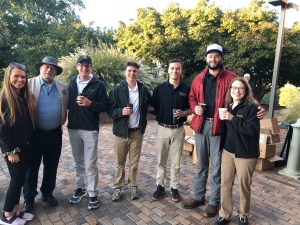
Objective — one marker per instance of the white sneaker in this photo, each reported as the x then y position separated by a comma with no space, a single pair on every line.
12,220
24,215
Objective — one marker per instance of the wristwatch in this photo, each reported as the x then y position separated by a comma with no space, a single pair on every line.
16,150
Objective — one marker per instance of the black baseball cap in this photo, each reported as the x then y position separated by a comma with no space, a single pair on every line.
84,58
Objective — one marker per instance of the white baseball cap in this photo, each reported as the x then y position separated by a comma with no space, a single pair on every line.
214,48
246,75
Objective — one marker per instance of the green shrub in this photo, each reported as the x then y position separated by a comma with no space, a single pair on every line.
292,112
287,94
266,99
108,66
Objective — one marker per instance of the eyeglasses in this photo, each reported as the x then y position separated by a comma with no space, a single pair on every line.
18,64
234,88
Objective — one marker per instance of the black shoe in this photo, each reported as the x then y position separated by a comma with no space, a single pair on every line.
52,201
221,221
158,193
243,221
28,205
175,195
79,194
93,203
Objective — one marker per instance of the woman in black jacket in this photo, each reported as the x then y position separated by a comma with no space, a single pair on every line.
240,148
17,124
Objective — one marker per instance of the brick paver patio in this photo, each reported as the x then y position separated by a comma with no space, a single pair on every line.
275,198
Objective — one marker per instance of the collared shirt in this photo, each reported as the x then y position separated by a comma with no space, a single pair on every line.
134,118
165,98
210,85
49,111
82,84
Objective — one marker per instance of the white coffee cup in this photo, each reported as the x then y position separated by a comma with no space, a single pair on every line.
221,112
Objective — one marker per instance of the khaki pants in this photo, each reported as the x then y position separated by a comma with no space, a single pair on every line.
169,140
244,169
133,146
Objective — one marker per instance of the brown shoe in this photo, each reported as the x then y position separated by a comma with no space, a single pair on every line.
192,203
211,210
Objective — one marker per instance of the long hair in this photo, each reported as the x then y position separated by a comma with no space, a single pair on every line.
248,92
9,105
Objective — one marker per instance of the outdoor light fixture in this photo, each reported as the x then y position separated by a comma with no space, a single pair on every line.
284,5
278,2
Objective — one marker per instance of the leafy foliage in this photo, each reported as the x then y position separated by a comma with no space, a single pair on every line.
292,112
30,30
159,37
248,36
266,99
251,46
288,94
108,66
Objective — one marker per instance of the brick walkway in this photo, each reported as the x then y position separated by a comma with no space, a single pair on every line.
275,199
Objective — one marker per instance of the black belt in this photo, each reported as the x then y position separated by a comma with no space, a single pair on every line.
209,119
170,126
48,131
133,129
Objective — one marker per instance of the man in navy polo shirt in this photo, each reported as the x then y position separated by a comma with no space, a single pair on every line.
171,106
51,97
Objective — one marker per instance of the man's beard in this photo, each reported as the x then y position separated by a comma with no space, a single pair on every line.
216,67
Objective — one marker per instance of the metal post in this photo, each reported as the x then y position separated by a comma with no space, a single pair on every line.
277,61
293,164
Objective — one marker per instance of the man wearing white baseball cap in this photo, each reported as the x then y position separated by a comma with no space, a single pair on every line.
252,85
209,87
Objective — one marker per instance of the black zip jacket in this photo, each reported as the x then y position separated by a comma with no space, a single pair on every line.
244,131
19,134
118,99
82,117
253,87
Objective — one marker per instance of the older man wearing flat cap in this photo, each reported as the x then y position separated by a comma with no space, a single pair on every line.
51,97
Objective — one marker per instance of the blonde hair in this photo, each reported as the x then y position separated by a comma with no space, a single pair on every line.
9,104
248,92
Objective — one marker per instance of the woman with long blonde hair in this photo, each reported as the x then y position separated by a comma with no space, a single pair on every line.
17,124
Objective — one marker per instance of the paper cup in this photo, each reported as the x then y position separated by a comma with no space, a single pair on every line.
221,111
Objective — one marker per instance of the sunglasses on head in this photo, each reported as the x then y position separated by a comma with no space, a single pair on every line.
18,64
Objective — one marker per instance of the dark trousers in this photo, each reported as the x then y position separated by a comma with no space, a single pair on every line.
17,173
47,145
